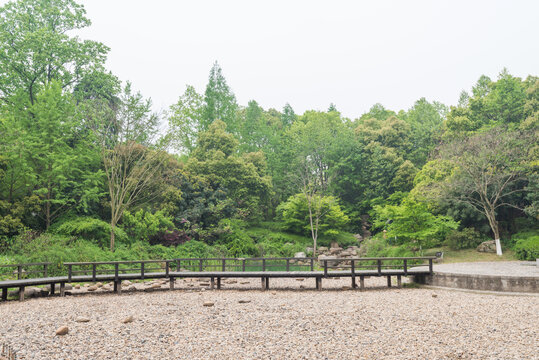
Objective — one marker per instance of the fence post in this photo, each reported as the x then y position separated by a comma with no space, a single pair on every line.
177,265
353,274
263,264
116,266
430,266
405,267
45,270
200,265
243,265
142,270
325,268
379,267
19,272
287,264
224,265
94,271
312,264
69,272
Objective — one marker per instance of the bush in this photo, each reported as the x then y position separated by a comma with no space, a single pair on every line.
236,240
88,228
145,226
526,246
467,238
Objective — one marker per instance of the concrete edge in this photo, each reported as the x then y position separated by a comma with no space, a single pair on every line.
484,292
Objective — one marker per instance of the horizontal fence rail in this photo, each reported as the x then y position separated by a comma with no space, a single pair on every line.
24,271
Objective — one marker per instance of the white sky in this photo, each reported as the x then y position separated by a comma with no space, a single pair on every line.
311,53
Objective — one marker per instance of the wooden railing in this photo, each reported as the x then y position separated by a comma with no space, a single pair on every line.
24,271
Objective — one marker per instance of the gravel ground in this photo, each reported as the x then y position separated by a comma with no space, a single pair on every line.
499,268
286,322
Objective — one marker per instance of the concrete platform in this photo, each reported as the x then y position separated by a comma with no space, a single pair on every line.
506,276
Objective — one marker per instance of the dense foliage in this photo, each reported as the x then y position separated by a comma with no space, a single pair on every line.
84,166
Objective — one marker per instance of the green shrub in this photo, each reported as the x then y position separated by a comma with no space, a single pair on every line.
467,238
89,228
236,240
527,245
143,225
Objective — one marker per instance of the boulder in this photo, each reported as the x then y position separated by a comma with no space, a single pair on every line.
335,250
322,249
487,246
299,255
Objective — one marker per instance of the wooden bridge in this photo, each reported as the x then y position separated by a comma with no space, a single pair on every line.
215,269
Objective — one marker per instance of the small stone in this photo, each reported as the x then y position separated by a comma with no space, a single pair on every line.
99,284
244,301
62,330
204,284
86,285
82,319
274,293
126,282
208,304
128,319
92,288
77,286
434,295
300,279
245,282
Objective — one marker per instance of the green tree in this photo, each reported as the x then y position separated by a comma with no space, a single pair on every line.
57,152
35,46
243,177
425,120
490,172
412,222
185,120
219,101
288,116
295,214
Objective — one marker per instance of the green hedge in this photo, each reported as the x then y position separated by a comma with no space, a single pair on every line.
526,245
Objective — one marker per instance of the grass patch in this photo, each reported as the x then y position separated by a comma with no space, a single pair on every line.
470,255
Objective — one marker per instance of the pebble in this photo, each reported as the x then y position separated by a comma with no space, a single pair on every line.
128,319
208,304
82,319
62,330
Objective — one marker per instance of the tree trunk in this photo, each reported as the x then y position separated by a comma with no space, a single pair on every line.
112,226
491,216
314,236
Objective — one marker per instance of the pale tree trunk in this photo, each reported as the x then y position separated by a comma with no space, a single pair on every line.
314,233
112,226
491,216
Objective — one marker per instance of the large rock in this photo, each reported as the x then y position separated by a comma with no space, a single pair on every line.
299,255
487,246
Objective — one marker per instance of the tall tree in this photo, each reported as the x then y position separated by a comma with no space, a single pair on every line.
132,163
35,47
185,120
489,173
219,101
288,116
57,151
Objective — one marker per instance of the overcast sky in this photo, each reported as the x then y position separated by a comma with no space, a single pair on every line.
312,53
